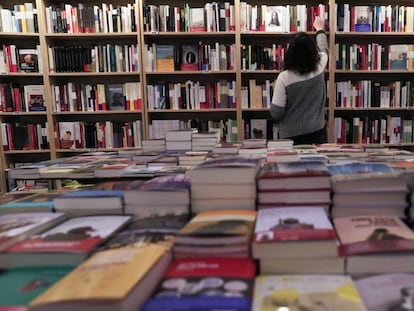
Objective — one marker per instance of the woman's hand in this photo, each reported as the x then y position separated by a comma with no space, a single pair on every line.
318,23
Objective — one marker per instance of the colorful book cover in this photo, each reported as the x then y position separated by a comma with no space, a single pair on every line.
205,284
373,234
78,234
306,292
295,168
21,285
35,201
117,277
172,182
292,224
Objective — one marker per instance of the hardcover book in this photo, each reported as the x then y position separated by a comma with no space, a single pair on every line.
67,243
306,292
116,279
21,285
373,234
293,232
205,284
387,292
114,95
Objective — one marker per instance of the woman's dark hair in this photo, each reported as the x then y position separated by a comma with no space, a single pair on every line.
302,55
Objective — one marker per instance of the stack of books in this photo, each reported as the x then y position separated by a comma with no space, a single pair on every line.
219,233
204,141
375,244
295,240
294,183
224,183
192,158
153,145
158,195
257,146
178,140
365,188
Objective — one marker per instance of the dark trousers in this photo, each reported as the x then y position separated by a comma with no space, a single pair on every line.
318,137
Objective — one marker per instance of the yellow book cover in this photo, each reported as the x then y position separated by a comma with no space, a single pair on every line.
113,278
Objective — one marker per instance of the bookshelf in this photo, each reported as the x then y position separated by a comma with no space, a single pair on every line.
231,76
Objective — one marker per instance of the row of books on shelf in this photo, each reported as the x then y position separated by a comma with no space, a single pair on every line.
280,18
189,57
373,56
191,95
261,57
383,130
19,18
95,58
20,59
371,94
24,136
71,97
15,97
212,17
374,18
86,18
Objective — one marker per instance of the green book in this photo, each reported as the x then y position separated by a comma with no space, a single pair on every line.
20,286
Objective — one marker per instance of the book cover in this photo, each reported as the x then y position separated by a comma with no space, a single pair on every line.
363,18
34,97
373,234
205,284
387,292
114,95
218,227
398,56
258,128
164,57
28,60
292,224
274,18
196,20
78,234
21,285
190,57
116,277
39,201
306,292
17,226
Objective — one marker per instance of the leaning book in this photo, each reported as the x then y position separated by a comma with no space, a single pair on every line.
111,280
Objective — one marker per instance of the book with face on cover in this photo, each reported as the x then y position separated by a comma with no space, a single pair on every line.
306,292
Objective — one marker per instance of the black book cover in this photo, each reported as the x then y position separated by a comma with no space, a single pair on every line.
114,94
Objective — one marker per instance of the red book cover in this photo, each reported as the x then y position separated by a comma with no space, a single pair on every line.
292,224
78,234
17,102
373,234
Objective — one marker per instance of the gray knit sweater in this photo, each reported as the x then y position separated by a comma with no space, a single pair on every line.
298,102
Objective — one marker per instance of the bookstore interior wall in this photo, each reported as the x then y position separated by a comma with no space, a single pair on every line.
78,76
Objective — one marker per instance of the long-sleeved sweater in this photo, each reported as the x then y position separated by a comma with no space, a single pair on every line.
298,102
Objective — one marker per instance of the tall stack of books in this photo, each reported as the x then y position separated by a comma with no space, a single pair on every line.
295,240
365,188
294,183
224,183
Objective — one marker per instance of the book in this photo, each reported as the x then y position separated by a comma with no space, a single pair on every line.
18,226
190,57
28,60
21,285
196,21
296,175
114,95
115,279
38,202
164,57
306,292
218,227
274,18
90,202
34,95
373,234
398,57
67,243
386,292
363,18
293,232
232,169
205,284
